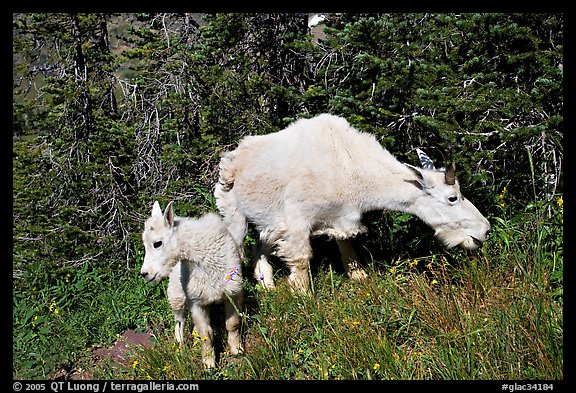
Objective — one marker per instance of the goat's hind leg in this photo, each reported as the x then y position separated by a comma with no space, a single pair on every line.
263,272
232,309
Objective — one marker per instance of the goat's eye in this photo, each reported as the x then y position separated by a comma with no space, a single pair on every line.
452,199
157,244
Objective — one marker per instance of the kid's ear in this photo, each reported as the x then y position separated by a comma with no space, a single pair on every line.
169,215
156,211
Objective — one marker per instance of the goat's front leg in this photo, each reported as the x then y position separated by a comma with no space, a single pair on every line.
299,278
350,260
177,300
295,249
201,317
180,318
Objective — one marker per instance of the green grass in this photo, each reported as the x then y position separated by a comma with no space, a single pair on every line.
60,315
496,313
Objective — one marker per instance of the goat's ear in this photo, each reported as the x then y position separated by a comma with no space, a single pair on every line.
422,180
416,171
425,160
169,215
156,211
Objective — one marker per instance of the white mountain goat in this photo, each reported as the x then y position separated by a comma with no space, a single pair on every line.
318,176
203,264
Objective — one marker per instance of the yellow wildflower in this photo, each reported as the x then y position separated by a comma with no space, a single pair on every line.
135,363
433,282
53,308
502,196
376,366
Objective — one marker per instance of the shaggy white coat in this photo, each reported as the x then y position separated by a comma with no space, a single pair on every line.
318,176
203,264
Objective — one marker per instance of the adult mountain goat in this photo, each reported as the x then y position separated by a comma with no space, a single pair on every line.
318,176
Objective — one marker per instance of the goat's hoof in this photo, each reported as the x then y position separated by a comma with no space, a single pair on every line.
358,275
209,362
239,350
300,290
267,286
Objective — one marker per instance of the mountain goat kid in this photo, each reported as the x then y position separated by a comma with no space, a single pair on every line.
203,264
318,176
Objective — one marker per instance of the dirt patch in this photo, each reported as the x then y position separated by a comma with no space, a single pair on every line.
119,353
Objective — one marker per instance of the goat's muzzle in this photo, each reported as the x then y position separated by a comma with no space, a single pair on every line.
146,276
477,242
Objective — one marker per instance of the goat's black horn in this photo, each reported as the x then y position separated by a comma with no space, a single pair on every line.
445,157
450,174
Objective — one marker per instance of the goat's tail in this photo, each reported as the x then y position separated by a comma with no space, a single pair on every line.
226,201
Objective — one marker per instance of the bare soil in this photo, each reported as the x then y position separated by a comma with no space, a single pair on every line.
118,354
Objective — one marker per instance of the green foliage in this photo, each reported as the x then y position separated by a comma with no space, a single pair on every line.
60,315
114,111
